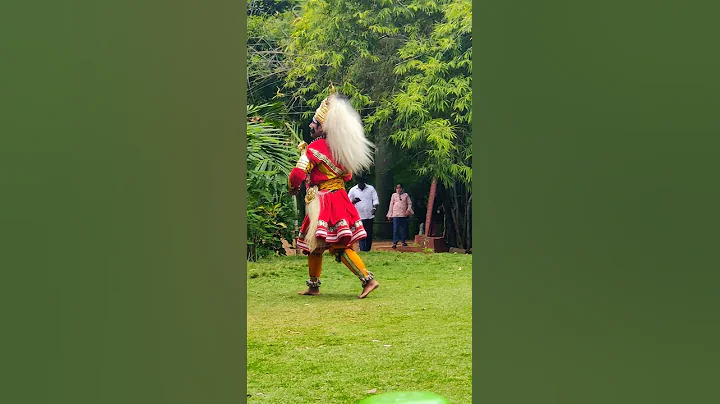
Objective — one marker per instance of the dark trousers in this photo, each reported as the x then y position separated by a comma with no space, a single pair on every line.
400,229
366,243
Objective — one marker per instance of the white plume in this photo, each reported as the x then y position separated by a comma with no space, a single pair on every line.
345,136
312,210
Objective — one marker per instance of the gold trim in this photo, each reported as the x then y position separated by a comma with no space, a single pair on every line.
327,161
327,171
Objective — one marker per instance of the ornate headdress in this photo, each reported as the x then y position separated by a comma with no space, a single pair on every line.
321,112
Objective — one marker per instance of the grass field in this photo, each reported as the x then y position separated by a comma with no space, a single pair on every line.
411,334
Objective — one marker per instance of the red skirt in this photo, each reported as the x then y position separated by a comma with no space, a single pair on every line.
338,222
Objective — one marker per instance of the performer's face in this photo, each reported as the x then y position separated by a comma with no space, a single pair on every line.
315,129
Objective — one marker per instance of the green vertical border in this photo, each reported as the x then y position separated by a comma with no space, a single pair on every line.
243,204
122,215
596,202
477,214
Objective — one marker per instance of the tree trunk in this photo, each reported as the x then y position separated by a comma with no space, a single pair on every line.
448,232
456,218
431,204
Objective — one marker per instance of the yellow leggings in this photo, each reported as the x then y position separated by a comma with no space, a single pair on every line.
347,256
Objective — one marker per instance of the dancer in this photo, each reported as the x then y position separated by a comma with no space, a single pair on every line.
332,222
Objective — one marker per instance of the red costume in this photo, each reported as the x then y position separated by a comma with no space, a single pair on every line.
339,221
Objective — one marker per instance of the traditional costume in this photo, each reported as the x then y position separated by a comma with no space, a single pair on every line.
332,221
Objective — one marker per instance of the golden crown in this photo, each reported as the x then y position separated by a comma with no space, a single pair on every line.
321,112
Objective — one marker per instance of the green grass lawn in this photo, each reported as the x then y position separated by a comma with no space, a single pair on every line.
411,334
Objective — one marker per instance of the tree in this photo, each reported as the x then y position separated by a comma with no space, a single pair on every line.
268,7
432,111
406,65
269,25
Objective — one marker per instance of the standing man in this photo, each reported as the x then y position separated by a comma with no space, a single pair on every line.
400,210
365,199
331,222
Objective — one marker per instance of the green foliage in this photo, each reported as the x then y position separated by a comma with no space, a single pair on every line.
407,67
268,7
428,104
269,25
271,154
351,44
432,111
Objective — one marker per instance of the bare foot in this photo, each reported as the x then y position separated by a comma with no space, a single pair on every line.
310,291
369,287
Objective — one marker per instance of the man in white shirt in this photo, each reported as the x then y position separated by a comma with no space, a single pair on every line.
366,201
